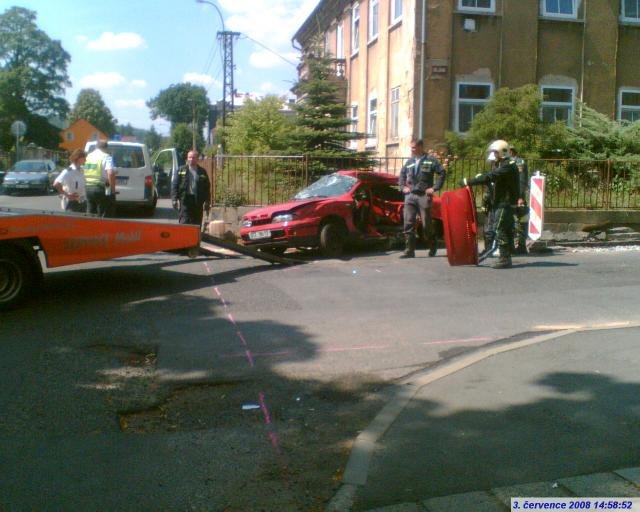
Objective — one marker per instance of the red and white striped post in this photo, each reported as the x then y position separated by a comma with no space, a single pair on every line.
536,206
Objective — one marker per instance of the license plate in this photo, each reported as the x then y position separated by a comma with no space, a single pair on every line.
258,235
122,180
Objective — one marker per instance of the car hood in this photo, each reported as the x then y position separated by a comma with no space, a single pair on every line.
26,176
268,211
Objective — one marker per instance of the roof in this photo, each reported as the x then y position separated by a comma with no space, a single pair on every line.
320,19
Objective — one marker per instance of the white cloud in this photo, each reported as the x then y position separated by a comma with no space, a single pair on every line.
271,22
264,59
121,41
102,80
201,79
139,83
130,103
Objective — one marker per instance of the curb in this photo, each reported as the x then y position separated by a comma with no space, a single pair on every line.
357,468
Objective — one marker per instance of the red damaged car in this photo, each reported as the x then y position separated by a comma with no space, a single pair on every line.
346,207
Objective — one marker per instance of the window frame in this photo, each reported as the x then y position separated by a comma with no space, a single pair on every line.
623,14
372,119
621,107
394,112
466,8
373,21
459,102
353,127
355,28
545,14
340,40
394,16
555,104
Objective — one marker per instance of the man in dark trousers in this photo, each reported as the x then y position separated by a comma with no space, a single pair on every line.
420,177
505,194
521,210
190,190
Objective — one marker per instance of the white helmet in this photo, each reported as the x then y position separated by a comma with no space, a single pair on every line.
498,150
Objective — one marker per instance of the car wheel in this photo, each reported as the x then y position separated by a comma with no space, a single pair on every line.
332,240
17,276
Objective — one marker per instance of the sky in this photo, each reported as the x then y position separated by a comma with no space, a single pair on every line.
130,50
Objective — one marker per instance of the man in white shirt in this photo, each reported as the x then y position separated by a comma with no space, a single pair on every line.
71,185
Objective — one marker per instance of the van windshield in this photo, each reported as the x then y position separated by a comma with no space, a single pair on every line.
127,157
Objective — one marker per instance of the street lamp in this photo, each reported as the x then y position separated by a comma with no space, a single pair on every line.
217,10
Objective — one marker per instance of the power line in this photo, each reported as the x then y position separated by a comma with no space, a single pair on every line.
270,50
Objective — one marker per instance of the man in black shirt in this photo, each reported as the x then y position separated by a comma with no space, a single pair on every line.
506,190
190,190
420,177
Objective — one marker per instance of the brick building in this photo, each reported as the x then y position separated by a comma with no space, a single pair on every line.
420,67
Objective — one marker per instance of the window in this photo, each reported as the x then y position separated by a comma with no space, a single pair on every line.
559,8
394,117
630,10
477,5
373,19
354,123
372,117
327,44
470,99
557,104
396,11
340,41
69,136
629,105
355,28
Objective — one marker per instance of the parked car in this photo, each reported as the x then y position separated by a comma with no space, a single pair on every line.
135,185
29,176
342,208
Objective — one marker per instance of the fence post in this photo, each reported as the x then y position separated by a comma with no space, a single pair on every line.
305,169
607,190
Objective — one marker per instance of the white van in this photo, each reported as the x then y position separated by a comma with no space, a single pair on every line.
135,185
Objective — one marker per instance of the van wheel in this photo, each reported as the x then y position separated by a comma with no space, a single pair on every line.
18,275
332,240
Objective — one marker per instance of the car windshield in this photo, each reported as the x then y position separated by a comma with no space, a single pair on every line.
332,185
29,166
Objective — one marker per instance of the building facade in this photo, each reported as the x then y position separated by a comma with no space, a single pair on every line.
78,134
422,67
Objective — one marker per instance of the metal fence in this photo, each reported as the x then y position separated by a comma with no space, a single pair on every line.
7,159
573,184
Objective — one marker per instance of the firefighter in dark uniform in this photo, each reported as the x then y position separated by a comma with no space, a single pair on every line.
505,194
521,210
190,190
420,177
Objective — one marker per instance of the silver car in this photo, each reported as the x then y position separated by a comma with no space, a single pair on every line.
30,176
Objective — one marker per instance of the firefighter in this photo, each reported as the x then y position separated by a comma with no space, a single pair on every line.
420,177
521,210
504,175
190,190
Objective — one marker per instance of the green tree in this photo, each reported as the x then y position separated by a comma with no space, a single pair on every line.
182,139
39,63
153,139
90,106
258,128
321,122
181,103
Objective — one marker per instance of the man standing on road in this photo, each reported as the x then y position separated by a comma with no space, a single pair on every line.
190,190
70,183
521,211
420,177
100,177
505,194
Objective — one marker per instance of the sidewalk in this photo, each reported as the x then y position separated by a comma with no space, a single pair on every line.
553,415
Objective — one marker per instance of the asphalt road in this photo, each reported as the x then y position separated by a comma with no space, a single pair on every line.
156,382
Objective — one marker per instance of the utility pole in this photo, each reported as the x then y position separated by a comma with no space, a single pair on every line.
227,86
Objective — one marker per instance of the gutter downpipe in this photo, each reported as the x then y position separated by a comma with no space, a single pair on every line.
423,43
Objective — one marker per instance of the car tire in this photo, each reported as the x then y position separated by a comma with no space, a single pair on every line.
18,276
332,240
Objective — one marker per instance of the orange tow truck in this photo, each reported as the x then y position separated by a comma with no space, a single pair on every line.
69,239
